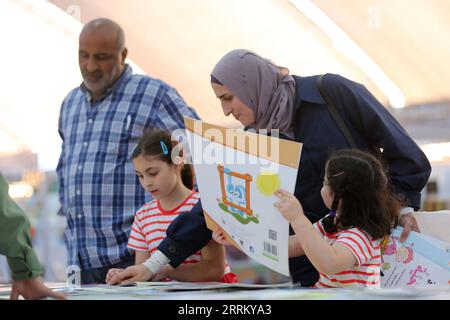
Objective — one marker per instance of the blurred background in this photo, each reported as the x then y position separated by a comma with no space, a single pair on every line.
397,49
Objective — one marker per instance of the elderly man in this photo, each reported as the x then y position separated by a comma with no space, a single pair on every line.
100,123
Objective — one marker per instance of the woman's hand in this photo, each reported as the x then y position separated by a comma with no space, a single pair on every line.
409,223
288,205
111,273
219,237
137,273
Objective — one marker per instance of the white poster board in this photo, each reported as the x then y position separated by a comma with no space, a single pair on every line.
237,177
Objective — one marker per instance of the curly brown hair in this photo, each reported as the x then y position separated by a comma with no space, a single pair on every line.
368,201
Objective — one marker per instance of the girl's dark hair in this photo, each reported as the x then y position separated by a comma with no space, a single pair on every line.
368,202
159,143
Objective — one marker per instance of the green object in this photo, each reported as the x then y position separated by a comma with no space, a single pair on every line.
270,256
15,239
242,220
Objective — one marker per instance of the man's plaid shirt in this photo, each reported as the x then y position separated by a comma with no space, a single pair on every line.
99,191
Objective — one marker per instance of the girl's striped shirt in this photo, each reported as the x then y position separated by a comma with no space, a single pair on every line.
366,271
150,225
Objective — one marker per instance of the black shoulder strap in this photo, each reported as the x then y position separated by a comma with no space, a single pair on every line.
334,114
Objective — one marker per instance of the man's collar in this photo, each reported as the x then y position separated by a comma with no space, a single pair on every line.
127,71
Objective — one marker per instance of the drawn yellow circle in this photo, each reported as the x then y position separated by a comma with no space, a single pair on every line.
268,183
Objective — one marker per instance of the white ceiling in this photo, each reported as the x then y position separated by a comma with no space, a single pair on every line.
390,46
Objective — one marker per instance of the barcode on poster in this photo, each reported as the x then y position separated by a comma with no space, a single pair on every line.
270,248
272,235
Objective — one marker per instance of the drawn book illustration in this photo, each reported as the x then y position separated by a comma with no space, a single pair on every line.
237,173
419,261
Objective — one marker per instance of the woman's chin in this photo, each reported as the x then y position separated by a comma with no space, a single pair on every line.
247,123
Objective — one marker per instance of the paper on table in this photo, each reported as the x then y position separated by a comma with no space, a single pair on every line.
222,285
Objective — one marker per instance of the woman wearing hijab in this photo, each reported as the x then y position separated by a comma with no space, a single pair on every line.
262,95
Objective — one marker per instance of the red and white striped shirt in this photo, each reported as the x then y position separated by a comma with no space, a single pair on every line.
366,271
151,223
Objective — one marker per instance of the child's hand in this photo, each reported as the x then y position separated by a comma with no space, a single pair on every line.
219,237
288,205
137,273
111,273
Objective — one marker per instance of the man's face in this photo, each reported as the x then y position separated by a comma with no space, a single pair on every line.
101,61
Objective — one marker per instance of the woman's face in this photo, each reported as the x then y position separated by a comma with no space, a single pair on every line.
231,104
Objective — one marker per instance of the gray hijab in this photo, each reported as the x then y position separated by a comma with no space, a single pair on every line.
261,86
